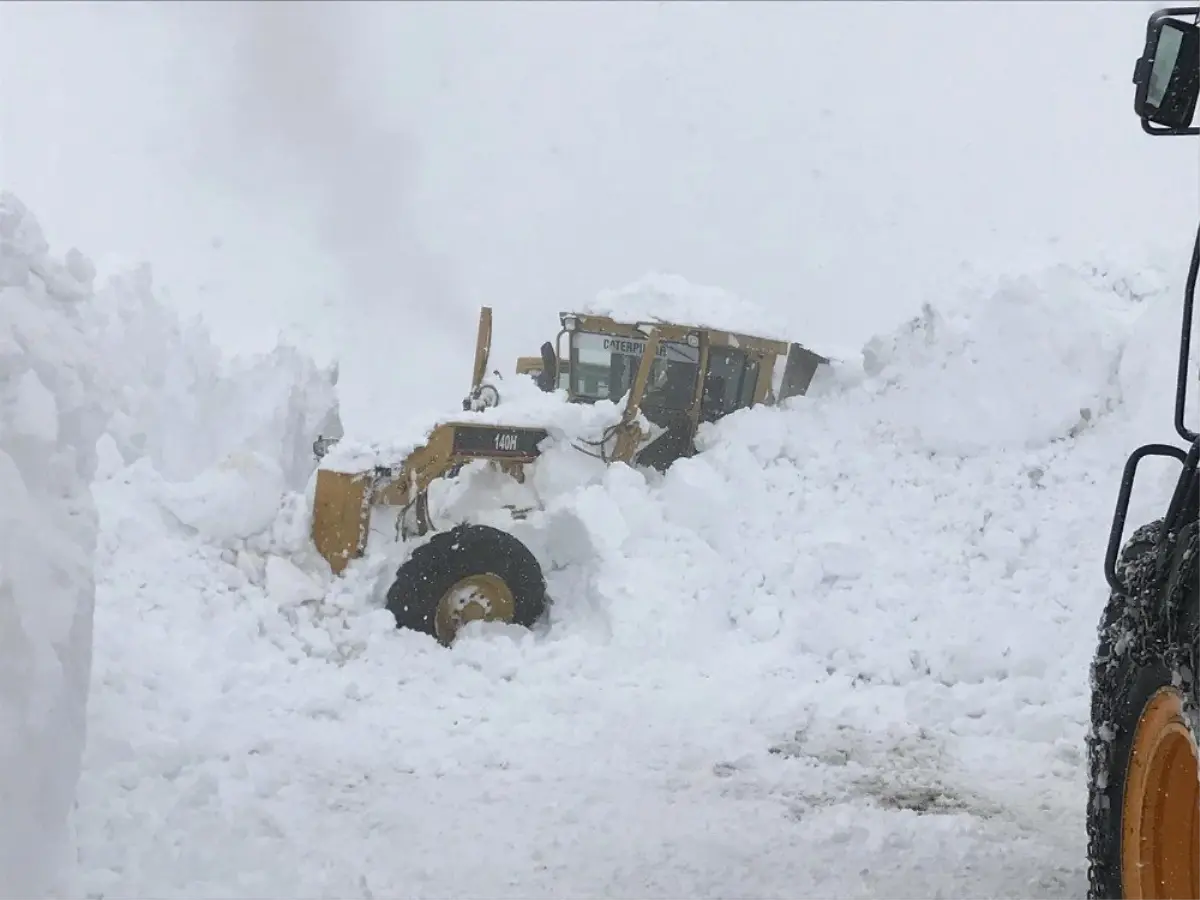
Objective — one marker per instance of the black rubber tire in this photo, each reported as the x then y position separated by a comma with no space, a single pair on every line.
452,555
1148,639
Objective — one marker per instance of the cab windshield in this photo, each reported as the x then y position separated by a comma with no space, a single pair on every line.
603,368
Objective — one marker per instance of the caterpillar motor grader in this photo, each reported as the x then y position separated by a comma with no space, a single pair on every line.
665,379
1143,814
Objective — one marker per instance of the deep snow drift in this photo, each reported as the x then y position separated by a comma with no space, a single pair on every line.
843,652
95,380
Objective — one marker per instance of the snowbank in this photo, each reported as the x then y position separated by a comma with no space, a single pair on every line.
222,443
93,382
1032,361
178,401
51,413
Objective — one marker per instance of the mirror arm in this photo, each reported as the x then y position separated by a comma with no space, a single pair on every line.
1163,131
1185,343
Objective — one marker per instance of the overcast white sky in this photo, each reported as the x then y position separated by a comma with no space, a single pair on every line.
401,163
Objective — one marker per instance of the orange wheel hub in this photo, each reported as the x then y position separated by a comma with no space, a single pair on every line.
1160,843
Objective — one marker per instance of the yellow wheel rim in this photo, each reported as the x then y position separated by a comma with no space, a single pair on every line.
477,597
1160,841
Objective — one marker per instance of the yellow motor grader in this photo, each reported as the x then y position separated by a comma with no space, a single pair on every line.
1143,813
665,378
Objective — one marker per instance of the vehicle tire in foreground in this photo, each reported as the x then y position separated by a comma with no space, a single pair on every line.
1143,816
468,573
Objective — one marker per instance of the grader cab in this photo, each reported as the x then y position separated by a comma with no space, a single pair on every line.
691,375
666,380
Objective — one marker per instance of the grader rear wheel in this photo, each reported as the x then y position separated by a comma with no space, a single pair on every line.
1160,843
469,573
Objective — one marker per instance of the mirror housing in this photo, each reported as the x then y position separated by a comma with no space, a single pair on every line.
547,379
1167,76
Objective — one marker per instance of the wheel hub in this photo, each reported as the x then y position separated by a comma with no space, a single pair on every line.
1160,846
483,597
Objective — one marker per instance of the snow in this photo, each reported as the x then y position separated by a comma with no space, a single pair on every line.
984,362
236,499
841,652
669,297
522,404
50,413
184,406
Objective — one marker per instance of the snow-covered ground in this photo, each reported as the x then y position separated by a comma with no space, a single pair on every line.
842,652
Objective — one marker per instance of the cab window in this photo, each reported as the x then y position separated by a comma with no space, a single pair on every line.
603,368
729,382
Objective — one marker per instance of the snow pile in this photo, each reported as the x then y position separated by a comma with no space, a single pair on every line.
222,443
672,298
179,402
979,374
51,414
522,404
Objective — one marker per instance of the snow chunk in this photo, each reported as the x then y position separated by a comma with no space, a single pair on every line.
236,499
288,585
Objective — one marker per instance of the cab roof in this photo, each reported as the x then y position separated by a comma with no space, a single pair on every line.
671,331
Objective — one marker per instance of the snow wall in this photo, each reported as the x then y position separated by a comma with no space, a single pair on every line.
91,381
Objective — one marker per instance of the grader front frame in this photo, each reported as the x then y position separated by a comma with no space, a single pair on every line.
343,501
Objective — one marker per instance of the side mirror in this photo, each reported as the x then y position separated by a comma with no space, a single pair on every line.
1168,74
548,377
